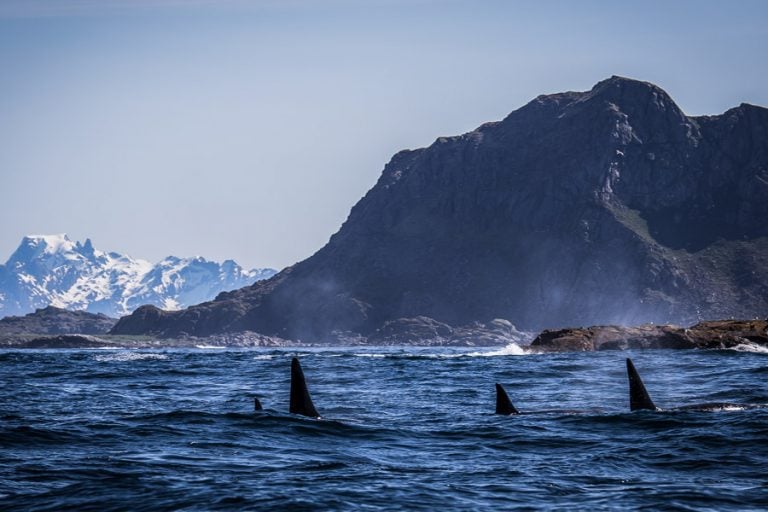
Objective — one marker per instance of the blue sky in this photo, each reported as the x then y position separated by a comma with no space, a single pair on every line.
248,129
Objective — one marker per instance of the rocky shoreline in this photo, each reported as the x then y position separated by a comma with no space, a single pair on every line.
719,334
106,341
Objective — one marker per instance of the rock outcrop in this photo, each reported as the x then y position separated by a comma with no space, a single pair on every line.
53,320
723,334
609,206
71,341
428,331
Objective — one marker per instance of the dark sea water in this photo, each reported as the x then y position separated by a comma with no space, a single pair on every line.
403,428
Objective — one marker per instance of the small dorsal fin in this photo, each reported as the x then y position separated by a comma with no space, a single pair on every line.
503,403
257,405
639,399
301,402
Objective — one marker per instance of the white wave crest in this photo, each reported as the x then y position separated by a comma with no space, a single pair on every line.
749,346
512,349
730,408
129,356
264,357
210,347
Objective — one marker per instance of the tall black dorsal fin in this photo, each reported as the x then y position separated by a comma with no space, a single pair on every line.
503,403
257,405
639,399
301,402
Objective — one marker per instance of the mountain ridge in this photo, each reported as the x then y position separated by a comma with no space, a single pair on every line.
608,206
53,270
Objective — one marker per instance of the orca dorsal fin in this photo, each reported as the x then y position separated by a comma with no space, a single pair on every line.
503,403
639,399
301,402
257,404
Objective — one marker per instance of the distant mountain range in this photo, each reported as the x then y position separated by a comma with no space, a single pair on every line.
53,270
607,206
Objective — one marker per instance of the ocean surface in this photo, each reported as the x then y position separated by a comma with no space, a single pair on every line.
403,428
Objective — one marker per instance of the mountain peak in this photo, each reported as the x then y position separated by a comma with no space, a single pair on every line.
87,249
618,80
52,243
52,238
627,86
37,246
628,91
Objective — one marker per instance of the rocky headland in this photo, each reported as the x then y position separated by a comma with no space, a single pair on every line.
608,206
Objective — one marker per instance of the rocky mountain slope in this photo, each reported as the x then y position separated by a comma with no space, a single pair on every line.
609,206
54,270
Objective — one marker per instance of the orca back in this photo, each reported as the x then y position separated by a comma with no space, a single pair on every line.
301,402
639,399
503,403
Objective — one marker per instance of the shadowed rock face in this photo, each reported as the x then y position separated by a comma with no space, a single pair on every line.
597,207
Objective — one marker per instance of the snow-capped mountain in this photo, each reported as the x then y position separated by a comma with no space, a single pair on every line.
54,270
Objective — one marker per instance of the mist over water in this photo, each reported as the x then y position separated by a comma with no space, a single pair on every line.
403,428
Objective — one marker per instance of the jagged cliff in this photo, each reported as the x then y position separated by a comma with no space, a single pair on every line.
605,206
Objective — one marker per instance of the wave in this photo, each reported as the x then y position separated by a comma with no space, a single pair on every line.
175,421
511,349
749,346
129,356
210,347
27,435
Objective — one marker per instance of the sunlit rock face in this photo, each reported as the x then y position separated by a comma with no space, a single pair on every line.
609,206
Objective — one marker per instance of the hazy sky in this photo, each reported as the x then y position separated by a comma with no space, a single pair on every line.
247,130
